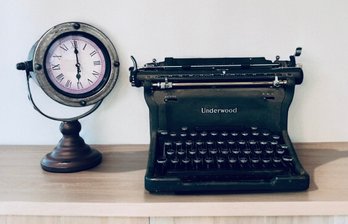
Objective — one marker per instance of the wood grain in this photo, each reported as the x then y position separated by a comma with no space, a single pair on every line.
115,188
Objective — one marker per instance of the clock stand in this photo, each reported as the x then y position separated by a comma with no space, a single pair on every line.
76,65
71,154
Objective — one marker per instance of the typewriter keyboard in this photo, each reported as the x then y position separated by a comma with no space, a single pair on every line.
223,154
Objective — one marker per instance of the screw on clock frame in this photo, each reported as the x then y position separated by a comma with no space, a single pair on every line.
83,103
116,63
38,67
76,26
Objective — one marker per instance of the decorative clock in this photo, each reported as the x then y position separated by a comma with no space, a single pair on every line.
76,65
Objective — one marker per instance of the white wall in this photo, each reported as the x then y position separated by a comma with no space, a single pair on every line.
190,28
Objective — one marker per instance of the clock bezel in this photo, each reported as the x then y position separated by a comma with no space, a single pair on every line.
100,39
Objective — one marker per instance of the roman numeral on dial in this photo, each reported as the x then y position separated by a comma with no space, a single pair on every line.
68,84
79,85
60,77
64,47
56,67
74,43
92,53
95,73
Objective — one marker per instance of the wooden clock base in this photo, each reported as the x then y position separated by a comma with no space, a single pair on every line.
71,154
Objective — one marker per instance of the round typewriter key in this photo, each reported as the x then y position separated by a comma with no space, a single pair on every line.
202,151
220,143
252,143
265,133
231,143
180,152
257,151
174,161
285,147
163,132
269,150
266,160
192,151
255,160
276,137
204,133
178,145
162,160
263,144
255,133
220,161
254,128
213,151
193,134
170,152
167,145
199,144
234,134
274,144
186,160
208,160
222,146
184,128
224,151
280,151
210,143
213,134
235,151
172,134
287,158
183,134
224,134
243,160
188,144
245,134
232,160
246,151
277,160
197,162
241,143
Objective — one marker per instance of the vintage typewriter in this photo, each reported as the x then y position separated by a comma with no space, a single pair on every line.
220,124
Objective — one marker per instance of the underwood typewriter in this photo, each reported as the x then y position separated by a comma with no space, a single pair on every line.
220,124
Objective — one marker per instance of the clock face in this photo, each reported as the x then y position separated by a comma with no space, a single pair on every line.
76,65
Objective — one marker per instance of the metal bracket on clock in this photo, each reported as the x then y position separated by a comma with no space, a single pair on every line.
26,66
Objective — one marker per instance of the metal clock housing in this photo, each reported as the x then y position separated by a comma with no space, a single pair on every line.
43,74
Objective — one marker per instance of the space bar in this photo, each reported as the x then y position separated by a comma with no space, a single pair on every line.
227,173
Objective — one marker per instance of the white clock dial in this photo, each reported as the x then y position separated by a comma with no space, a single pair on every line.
75,65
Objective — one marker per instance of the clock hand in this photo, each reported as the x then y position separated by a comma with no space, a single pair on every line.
78,75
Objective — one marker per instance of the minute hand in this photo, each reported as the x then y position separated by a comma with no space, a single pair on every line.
78,75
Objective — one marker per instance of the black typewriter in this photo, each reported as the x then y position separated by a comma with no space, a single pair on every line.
220,124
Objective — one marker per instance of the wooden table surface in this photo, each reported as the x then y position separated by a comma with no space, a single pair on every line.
116,187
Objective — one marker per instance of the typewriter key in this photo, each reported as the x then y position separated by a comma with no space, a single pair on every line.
224,134
254,128
220,161
255,160
266,160
232,161
174,162
280,151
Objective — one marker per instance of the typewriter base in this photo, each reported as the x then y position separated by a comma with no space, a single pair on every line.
155,185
